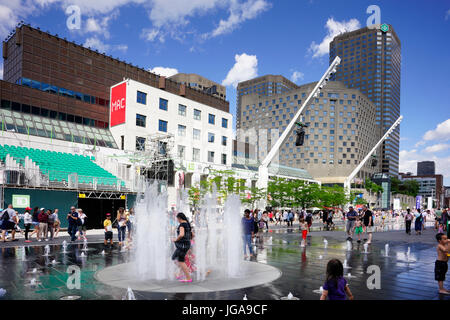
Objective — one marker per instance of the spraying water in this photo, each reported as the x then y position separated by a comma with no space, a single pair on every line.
366,246
64,245
349,245
325,243
217,245
386,249
47,250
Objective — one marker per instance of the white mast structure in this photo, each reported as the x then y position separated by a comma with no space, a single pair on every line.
263,170
347,182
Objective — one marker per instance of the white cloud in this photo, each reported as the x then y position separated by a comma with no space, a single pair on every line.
100,25
96,44
239,13
245,68
447,14
437,147
334,28
297,75
166,72
152,34
442,132
1,70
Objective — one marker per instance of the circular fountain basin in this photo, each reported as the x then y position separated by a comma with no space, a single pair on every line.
124,276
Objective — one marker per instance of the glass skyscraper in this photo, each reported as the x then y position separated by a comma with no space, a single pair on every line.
371,62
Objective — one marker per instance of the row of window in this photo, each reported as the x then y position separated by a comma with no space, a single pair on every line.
43,112
62,91
163,105
181,152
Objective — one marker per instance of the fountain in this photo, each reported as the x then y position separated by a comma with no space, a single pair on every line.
64,245
47,250
366,247
386,250
23,254
325,243
319,291
345,265
102,253
129,295
269,241
320,257
245,297
290,296
349,245
216,252
85,245
54,262
82,255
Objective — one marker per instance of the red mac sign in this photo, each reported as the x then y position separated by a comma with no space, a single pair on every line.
118,104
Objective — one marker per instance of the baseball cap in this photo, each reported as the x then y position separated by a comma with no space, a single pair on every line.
108,214
28,209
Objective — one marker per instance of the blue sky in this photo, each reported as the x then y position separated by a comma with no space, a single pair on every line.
234,40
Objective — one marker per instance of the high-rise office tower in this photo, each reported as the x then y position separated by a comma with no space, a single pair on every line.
371,62
426,168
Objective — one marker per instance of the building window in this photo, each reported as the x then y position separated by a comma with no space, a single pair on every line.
140,120
162,126
182,110
140,144
224,140
195,154
211,156
163,104
141,97
211,118
181,130
210,137
224,158
196,134
224,123
181,152
197,114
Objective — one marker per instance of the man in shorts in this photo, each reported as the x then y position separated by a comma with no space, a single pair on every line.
368,222
107,224
351,218
9,220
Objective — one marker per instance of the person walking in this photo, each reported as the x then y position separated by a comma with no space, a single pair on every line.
8,222
27,221
368,223
122,224
72,219
182,243
51,224
57,223
418,222
351,218
43,224
248,229
131,219
408,221
35,222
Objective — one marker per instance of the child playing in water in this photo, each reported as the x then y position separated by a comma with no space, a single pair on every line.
304,229
441,264
335,287
358,228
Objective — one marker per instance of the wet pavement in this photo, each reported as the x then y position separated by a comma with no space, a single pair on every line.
303,269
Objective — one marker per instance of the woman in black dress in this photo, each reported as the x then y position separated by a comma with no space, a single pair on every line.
182,244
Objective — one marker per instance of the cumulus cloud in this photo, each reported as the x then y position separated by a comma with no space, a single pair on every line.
96,44
437,147
297,75
334,28
245,68
100,25
442,132
239,12
166,72
152,34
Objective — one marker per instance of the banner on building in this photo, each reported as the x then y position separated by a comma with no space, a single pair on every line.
20,200
419,202
118,104
429,203
397,205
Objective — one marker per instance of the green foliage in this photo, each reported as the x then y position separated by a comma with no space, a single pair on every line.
408,187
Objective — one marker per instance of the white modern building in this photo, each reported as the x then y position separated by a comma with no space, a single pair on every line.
201,136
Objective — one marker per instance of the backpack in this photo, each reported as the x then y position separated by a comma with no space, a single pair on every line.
5,216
